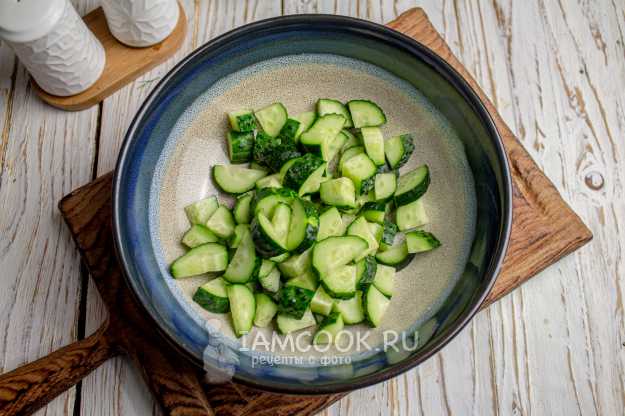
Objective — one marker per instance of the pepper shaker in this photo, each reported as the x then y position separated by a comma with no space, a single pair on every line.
53,43
141,23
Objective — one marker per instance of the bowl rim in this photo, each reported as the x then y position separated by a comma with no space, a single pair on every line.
429,57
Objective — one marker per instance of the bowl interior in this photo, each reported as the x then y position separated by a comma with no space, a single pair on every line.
178,135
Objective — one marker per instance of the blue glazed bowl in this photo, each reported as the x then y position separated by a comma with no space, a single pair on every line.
146,145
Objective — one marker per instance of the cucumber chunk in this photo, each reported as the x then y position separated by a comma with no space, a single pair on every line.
212,296
377,231
411,216
221,222
338,192
365,272
242,212
359,168
384,186
330,147
330,224
374,211
397,256
341,282
289,129
240,230
384,279
207,258
242,120
301,169
236,179
297,264
351,309
287,324
366,113
303,227
328,106
199,212
324,128
266,267
305,121
360,228
271,281
312,184
271,181
329,329
267,199
274,151
266,309
375,305
294,300
281,221
244,263
268,243
307,280
334,252
272,118
242,308
352,141
348,154
398,150
198,235
279,258
240,145
388,236
412,185
419,241
374,144
321,303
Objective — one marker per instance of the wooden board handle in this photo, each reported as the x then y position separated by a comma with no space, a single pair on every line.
27,388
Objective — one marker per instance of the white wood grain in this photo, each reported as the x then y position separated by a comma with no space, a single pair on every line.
554,69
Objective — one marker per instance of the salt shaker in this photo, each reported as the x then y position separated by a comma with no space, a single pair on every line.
53,43
141,23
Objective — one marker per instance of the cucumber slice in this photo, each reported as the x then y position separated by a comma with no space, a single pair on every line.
242,212
412,185
360,228
236,179
240,230
338,192
375,305
366,113
334,252
271,281
271,181
359,168
324,128
322,302
365,272
329,329
384,279
199,212
301,169
307,280
303,227
221,222
411,216
419,241
240,145
398,150
374,211
348,154
212,296
207,258
242,120
397,256
244,262
305,121
281,221
266,309
388,236
330,147
351,309
328,106
289,129
294,300
267,199
374,144
242,308
341,282
198,235
266,267
279,258
377,231
268,243
384,186
312,184
287,324
297,264
272,118
352,141
330,224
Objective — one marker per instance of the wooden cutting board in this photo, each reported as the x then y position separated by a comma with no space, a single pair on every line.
544,229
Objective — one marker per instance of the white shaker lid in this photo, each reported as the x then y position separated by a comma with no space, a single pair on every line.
27,20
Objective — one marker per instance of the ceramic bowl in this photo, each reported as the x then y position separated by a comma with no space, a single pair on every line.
167,154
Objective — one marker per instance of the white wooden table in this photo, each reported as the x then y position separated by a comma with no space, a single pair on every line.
556,71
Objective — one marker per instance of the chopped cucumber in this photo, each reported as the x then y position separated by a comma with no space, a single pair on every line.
266,309
328,106
307,280
272,118
271,281
312,184
244,262
297,264
324,128
256,166
334,252
266,267
360,228
242,308
374,144
212,296
267,241
388,236
242,120
338,192
419,241
397,256
279,258
384,279
303,226
377,231
352,141
207,258
329,329
412,185
199,212
240,230
359,168
411,216
271,181
287,324
366,113
242,213
301,169
198,235
322,302
384,185
398,150
330,147
294,300
274,151
289,129
281,220
266,200
236,179
305,121
341,282
374,211
330,224
240,145
221,222
351,309
348,154
375,305
365,272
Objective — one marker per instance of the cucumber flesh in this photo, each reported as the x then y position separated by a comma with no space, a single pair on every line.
348,154
359,168
394,256
244,262
411,216
294,300
365,272
360,228
329,329
352,141
240,230
207,258
412,185
199,212
242,308
307,280
366,113
330,147
303,226
271,281
384,186
341,282
324,128
266,267
198,235
328,106
236,179
287,324
242,213
221,222
375,305
240,145
297,264
374,144
351,309
330,224
312,184
398,150
242,120
321,303
339,192
267,241
212,296
305,121
334,252
384,279
271,181
281,221
272,118
266,309
419,241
